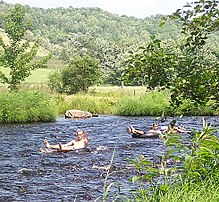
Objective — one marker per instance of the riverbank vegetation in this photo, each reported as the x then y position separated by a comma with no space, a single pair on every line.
180,74
187,172
129,101
26,107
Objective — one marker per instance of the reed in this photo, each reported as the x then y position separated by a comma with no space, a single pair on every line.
25,107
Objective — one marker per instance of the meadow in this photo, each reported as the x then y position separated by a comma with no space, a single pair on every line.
38,76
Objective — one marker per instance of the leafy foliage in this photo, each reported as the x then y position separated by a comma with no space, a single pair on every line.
190,70
81,73
202,161
199,165
16,55
198,79
151,65
69,32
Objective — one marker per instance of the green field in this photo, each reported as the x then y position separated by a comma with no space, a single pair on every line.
38,75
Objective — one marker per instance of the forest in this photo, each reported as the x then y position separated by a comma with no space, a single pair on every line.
107,37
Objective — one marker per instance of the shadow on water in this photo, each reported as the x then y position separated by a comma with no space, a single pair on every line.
29,174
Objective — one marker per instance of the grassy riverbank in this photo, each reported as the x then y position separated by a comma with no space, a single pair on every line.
34,104
26,107
130,101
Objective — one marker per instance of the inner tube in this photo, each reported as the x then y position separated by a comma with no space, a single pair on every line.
146,135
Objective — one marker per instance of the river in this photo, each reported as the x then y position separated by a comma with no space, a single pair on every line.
28,173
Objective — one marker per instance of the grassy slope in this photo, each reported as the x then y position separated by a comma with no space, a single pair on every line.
39,75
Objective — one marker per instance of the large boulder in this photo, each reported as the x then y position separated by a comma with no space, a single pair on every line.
73,113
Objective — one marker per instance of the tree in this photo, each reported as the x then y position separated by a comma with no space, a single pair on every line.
152,65
81,73
197,79
187,72
55,81
18,54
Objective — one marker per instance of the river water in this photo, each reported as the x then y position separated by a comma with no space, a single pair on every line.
30,173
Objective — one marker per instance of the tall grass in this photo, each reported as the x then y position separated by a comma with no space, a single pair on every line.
23,107
207,191
94,104
148,104
127,101
116,102
130,102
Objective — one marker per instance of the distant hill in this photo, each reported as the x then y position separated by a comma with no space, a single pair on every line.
108,37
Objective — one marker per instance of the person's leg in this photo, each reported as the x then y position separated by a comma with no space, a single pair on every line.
56,146
129,130
132,130
138,132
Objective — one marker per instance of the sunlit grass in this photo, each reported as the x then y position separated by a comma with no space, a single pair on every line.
39,75
25,107
204,192
94,104
117,90
119,102
147,104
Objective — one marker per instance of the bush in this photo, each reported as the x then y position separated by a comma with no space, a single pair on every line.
78,76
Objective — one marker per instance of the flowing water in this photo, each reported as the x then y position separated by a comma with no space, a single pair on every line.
28,172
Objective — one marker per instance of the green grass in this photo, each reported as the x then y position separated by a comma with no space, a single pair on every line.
117,90
204,192
94,104
37,76
26,107
120,102
147,104
117,101
40,75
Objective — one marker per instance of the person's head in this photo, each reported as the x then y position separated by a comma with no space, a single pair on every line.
155,126
79,134
172,123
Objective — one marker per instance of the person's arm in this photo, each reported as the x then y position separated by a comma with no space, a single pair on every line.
56,146
65,147
181,130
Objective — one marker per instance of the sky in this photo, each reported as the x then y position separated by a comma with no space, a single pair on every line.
136,8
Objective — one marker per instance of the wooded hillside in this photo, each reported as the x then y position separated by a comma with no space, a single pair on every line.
100,34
